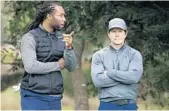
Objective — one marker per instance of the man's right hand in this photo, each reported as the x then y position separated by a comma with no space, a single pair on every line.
61,63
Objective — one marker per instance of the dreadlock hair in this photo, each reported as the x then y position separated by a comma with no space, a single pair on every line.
41,14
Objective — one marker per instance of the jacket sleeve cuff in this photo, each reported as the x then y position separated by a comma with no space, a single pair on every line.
70,48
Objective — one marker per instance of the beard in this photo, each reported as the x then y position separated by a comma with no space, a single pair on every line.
56,28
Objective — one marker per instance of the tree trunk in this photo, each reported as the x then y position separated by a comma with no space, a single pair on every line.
79,86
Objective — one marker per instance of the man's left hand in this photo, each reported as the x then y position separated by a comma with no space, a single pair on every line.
68,39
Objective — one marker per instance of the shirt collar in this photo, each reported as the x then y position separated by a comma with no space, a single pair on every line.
120,49
57,33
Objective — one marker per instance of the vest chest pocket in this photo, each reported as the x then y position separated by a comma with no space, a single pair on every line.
58,49
59,45
124,63
43,48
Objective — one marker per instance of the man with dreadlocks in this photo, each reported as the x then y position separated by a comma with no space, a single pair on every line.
44,55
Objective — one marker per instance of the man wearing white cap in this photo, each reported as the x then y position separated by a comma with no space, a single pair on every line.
116,70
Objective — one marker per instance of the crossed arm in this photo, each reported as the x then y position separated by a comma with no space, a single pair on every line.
112,77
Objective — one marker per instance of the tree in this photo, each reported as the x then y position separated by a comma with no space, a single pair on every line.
81,19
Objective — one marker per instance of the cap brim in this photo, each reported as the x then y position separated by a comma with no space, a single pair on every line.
117,26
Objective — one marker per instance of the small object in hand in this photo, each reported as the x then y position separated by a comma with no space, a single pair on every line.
67,38
68,35
71,34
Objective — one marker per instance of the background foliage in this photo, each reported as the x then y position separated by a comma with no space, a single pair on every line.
148,32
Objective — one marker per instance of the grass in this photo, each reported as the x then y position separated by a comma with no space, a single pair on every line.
10,100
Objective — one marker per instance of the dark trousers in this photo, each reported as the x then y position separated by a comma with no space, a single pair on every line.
113,106
35,101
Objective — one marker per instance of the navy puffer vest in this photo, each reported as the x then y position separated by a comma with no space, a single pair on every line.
49,48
